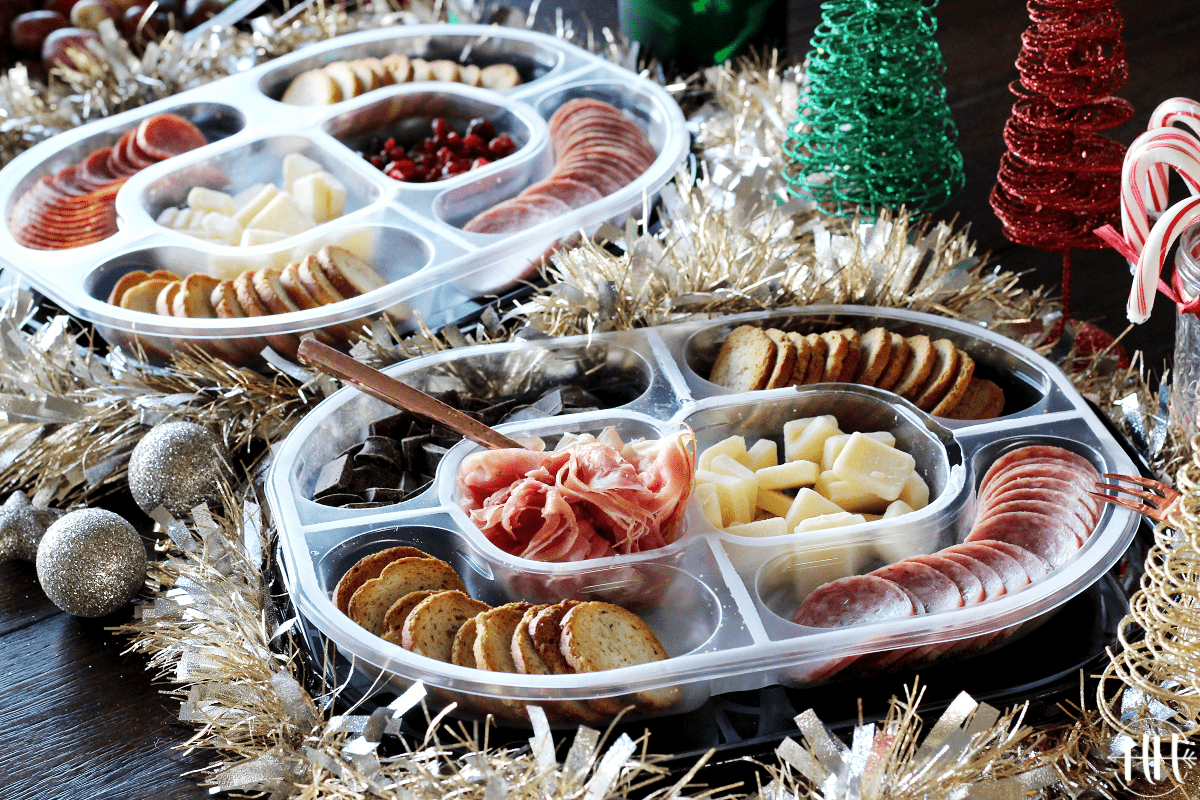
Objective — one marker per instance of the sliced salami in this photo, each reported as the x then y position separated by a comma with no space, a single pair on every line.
1034,566
1046,509
993,584
576,194
1046,476
968,585
855,600
934,591
1008,568
166,135
1039,453
131,155
1065,500
95,169
1049,539
508,216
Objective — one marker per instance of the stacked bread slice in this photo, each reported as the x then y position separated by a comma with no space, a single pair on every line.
935,375
342,80
418,602
331,275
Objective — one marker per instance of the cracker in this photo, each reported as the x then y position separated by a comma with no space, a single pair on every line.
546,630
745,361
954,395
785,359
398,66
803,357
393,621
432,627
369,567
983,399
853,355
370,602
941,376
875,349
316,87
901,351
916,372
835,357
601,636
819,350
346,79
494,636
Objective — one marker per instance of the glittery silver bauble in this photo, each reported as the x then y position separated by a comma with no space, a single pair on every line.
22,526
91,562
177,465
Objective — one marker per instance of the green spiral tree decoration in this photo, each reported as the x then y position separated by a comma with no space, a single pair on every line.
873,129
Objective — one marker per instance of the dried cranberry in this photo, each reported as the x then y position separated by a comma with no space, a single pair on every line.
445,155
502,146
482,128
480,162
441,127
454,168
407,169
473,145
453,141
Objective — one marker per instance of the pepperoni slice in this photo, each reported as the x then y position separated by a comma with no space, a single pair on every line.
1047,538
576,194
94,169
1008,568
166,135
507,217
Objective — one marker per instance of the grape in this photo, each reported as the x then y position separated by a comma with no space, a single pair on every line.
58,43
29,30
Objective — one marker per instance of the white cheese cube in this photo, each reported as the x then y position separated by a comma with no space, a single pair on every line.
847,496
839,520
211,200
167,216
773,502
834,445
297,166
789,475
897,508
251,206
793,428
282,214
734,447
915,492
252,237
809,445
809,504
775,526
726,465
710,505
320,196
249,193
736,496
222,226
873,467
764,453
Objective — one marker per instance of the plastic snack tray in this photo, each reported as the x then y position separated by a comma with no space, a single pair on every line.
721,604
410,232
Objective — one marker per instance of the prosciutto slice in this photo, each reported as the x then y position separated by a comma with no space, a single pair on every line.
593,497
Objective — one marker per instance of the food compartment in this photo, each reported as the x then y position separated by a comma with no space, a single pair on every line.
550,556
333,478
234,304
810,497
464,52
1020,379
69,198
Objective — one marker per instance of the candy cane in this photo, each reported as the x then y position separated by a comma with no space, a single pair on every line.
1177,109
1170,225
1154,149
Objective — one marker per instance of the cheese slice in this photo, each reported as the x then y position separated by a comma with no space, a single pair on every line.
847,496
915,492
773,502
252,237
789,475
809,504
736,496
320,195
710,505
897,508
222,226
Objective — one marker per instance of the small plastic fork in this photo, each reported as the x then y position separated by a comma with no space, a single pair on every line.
1156,504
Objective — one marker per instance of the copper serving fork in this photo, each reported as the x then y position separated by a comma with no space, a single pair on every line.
1156,504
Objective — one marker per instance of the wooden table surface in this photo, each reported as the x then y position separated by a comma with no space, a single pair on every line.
79,719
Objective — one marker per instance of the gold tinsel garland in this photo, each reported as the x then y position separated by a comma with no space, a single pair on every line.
725,246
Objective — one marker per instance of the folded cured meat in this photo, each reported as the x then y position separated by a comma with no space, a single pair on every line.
590,498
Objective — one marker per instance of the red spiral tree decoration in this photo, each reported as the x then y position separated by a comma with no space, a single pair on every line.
1060,179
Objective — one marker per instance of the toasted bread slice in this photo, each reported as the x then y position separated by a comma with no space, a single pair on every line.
524,655
370,602
803,355
941,377
433,625
268,284
143,295
462,649
838,348
982,400
420,70
366,75
745,361
875,348
289,281
124,283
315,282
349,274
901,351
493,640
194,299
346,79
499,76
785,359
853,355
444,69
284,343
398,66
958,389
369,567
166,298
313,88
600,636
545,630
470,75
819,351
916,372
393,621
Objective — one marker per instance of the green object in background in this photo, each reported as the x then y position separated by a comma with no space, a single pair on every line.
874,129
700,33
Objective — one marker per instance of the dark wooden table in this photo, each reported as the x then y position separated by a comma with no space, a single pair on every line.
78,719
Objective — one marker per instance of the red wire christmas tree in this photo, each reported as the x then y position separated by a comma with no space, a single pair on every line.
1059,179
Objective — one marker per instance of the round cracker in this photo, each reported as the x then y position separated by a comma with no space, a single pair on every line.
369,567
958,389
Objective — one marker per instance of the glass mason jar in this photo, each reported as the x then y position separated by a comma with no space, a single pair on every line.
1185,388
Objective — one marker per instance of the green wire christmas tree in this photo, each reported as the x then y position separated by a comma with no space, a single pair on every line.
874,129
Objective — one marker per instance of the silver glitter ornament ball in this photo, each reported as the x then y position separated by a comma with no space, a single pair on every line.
22,526
91,562
177,465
